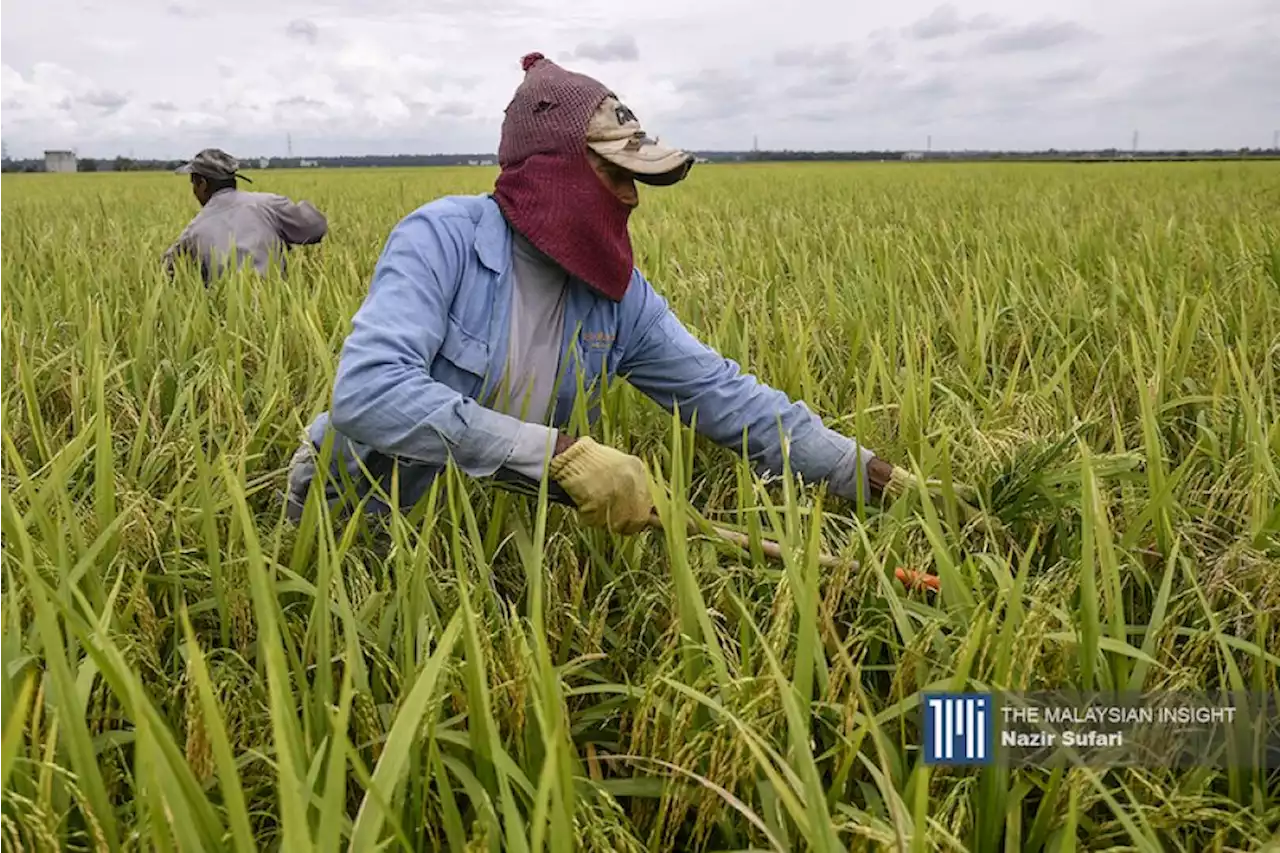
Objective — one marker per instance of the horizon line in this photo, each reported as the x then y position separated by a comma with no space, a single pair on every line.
695,151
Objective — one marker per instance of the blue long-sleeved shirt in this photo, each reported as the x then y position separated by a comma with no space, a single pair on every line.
430,340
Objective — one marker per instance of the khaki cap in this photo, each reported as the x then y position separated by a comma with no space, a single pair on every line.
213,163
615,134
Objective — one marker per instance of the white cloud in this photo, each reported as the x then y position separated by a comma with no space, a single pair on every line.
156,77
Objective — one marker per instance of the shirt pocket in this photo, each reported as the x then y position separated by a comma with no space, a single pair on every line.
463,360
598,354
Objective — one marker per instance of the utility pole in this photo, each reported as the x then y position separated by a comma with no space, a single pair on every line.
1275,140
1135,142
288,141
928,145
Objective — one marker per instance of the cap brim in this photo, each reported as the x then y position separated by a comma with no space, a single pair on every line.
650,163
186,169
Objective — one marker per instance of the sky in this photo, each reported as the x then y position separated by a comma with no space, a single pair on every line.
165,78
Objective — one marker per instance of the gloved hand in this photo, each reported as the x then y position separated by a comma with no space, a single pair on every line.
610,487
902,481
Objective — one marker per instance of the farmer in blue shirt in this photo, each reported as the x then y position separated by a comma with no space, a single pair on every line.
484,310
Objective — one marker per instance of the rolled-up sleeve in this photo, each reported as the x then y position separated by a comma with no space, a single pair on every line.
384,395
664,361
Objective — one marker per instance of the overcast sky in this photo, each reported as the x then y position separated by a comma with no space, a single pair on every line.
164,78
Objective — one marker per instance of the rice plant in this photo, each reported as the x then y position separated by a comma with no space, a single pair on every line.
1089,353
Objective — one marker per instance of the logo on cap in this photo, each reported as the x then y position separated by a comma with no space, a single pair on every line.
624,114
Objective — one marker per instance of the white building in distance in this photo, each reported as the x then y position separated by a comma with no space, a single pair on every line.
59,161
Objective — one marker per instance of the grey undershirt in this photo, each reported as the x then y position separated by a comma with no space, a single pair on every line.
533,355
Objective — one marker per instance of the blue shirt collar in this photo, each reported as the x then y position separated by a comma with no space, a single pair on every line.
493,237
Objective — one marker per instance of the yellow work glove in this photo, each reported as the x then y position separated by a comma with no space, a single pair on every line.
609,487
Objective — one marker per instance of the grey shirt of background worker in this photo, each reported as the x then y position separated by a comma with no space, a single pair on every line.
258,227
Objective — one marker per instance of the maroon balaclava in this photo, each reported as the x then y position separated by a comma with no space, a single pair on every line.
548,190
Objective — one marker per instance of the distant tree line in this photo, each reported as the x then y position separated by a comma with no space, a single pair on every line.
93,164
1051,154
126,164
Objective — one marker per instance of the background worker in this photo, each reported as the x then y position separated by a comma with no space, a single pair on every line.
465,344
258,227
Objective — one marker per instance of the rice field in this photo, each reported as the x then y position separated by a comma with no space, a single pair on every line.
1095,349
